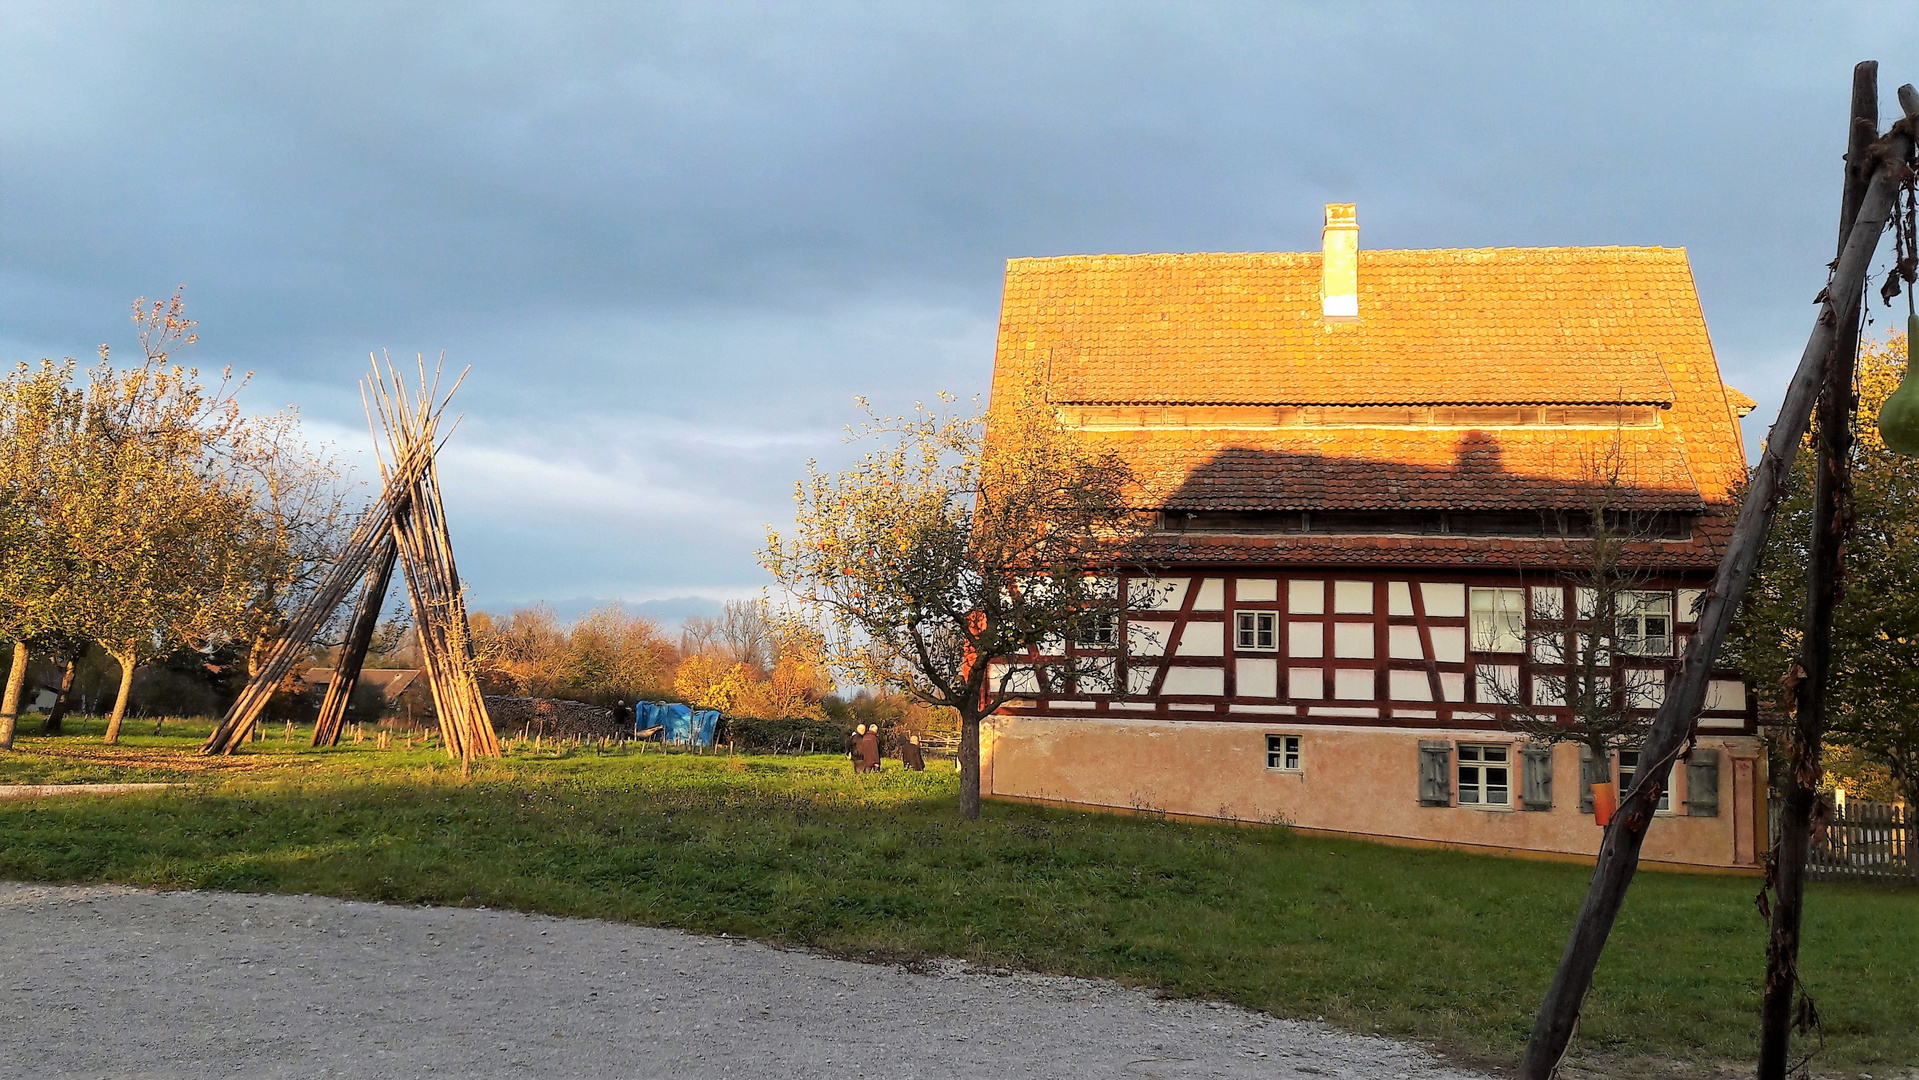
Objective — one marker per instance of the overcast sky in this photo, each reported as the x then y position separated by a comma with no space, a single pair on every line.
675,241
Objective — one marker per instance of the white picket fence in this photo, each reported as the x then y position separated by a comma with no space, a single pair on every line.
1865,841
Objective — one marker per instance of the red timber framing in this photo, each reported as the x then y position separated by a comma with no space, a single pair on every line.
1352,648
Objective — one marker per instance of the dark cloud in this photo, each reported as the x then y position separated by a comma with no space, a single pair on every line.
676,240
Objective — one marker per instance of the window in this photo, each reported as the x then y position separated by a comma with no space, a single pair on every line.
1258,631
1097,631
1499,620
1628,769
1282,752
1645,623
1485,775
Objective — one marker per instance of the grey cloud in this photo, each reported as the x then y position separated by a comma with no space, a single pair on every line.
735,218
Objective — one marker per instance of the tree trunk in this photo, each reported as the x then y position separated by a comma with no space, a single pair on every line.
59,713
10,708
969,766
1825,570
120,701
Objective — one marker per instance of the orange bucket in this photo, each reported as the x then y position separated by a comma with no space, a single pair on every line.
1605,802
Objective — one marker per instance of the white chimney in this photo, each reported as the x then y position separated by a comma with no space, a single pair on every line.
1339,282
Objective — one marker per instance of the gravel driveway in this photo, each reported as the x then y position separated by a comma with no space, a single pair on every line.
117,982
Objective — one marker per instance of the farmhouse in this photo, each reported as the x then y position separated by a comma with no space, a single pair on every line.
1371,473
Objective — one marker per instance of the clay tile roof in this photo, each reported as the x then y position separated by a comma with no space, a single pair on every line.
1549,327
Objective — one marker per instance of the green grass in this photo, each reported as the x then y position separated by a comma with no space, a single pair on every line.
1450,948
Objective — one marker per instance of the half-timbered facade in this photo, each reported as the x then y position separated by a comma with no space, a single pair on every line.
1375,476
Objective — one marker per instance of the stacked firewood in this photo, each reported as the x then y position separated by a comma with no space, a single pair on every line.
408,524
552,718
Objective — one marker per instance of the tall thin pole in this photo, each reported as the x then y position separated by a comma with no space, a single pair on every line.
346,673
1672,728
1825,569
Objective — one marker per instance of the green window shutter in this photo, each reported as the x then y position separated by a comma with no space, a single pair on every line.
1585,779
1435,773
1536,780
1702,784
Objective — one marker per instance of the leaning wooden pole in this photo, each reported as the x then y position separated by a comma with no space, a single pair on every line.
1672,728
1825,569
354,558
346,673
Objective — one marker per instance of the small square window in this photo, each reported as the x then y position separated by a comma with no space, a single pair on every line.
1282,752
1096,631
1256,631
1485,775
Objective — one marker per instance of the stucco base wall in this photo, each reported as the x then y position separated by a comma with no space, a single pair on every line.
1352,780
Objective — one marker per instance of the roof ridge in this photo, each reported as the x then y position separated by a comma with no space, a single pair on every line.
1364,253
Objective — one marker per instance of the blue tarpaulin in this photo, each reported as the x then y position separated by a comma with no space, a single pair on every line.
683,723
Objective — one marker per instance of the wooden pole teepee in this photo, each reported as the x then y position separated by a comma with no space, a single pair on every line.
406,524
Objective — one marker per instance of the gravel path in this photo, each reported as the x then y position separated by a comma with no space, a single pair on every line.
107,981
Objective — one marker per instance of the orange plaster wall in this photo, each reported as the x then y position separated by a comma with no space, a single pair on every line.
1353,779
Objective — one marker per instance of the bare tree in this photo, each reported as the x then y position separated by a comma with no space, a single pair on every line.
747,631
1595,637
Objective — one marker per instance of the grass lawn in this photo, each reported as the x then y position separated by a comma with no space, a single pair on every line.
1448,948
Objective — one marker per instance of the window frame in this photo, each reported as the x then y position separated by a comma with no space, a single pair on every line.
1492,643
1282,746
1627,773
1105,623
1633,644
1256,616
1480,765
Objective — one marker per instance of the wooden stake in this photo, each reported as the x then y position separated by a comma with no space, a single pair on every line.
1672,728
346,673
1825,567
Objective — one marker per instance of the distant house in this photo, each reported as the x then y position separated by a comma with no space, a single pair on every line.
1356,459
390,682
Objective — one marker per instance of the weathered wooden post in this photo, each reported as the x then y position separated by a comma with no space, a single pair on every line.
1672,728
1825,573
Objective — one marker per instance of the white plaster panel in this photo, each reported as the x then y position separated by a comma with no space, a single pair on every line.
1305,682
1024,680
1352,598
1449,644
1644,689
1212,595
1402,643
1353,684
1257,678
1194,680
1139,679
1255,590
1399,598
1147,638
1167,595
1496,684
1306,597
1203,639
1443,601
1353,641
1408,686
1305,639
1692,604
1722,723
1452,684
1726,695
